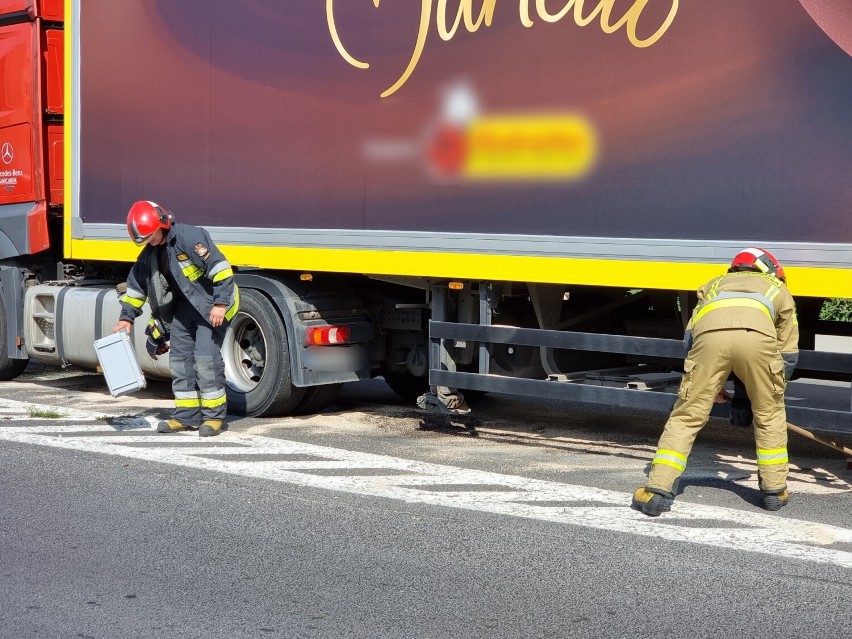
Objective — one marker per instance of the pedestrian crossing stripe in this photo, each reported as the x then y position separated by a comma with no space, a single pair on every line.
380,476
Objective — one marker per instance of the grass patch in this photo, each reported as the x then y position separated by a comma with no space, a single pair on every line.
45,413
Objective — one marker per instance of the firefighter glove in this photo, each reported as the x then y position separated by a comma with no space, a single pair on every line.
157,342
741,413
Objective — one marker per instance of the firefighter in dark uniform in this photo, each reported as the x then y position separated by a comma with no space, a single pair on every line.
191,291
744,323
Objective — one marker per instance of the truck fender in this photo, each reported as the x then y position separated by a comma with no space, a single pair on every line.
290,299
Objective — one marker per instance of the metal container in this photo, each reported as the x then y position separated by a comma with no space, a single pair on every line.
118,362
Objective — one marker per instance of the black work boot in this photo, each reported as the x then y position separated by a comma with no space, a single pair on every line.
775,499
210,428
652,501
172,426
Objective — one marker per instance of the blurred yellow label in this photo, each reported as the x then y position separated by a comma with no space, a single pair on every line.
532,147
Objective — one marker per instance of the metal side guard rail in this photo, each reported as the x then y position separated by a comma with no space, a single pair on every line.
664,351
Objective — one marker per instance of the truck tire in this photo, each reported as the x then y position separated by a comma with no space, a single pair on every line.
512,360
406,385
316,398
9,368
257,360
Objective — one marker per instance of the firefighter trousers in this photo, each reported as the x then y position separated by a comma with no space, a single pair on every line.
755,359
197,368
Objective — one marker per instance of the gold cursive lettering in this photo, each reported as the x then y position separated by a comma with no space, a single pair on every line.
465,11
425,12
629,20
555,17
631,25
332,29
524,12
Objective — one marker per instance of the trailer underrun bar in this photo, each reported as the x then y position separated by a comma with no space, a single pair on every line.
592,388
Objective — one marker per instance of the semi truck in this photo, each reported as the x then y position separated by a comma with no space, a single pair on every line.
460,196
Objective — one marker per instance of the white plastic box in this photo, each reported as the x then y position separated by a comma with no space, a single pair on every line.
118,361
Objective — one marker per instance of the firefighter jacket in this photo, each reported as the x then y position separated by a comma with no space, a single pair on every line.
752,301
198,268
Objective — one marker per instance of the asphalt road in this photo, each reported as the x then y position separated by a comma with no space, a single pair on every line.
376,520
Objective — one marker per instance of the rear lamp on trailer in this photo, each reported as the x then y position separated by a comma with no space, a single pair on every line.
326,335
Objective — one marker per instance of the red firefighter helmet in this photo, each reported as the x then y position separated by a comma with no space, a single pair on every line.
145,218
757,259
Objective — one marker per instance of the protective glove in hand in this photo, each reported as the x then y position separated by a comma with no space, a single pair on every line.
157,342
154,349
741,414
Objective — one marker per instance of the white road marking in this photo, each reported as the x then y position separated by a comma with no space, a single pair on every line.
418,482
10,409
816,481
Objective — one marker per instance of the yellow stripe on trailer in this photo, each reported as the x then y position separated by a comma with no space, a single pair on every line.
804,281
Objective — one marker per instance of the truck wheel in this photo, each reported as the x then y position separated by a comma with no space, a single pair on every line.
257,360
9,368
513,360
316,398
406,385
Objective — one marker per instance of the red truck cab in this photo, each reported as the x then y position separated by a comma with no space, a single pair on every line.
31,123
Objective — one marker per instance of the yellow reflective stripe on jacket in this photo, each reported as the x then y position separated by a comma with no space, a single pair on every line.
763,299
189,270
135,302
733,302
232,310
670,458
714,286
133,297
193,272
132,292
773,292
771,456
154,326
221,271
223,274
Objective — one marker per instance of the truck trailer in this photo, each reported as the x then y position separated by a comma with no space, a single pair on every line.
457,195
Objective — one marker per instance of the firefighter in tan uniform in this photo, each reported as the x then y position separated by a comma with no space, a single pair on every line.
745,323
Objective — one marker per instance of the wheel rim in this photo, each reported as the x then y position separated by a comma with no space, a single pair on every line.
244,353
